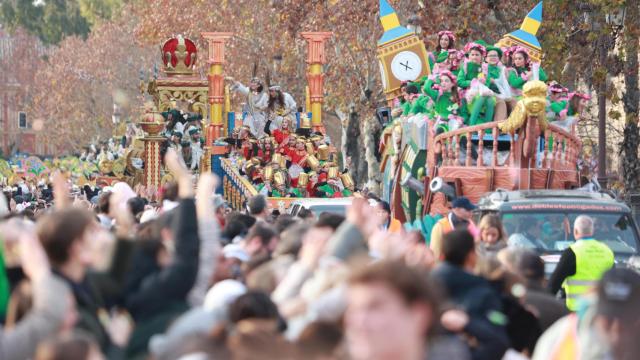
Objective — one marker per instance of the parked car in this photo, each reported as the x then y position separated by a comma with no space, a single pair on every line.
319,205
553,212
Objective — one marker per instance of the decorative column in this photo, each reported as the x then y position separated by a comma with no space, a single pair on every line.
152,164
315,60
216,61
152,141
215,129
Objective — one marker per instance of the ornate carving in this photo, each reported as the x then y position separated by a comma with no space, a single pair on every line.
197,98
316,40
216,89
316,83
532,105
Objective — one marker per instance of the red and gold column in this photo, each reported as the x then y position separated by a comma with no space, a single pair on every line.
216,61
152,163
315,60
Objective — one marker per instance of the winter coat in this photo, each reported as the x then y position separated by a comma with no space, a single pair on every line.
161,295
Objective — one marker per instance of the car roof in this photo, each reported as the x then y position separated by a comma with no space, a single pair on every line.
322,201
551,200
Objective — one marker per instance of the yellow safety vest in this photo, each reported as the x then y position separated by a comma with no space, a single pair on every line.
593,258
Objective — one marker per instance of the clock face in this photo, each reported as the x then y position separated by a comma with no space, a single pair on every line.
406,66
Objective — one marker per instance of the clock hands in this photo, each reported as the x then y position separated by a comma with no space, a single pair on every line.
406,66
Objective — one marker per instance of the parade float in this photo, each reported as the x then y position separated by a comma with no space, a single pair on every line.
185,104
424,170
194,115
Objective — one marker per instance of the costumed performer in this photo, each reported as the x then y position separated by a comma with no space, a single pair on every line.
256,105
523,70
446,42
472,77
497,81
281,107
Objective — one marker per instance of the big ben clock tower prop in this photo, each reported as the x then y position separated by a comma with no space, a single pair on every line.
401,53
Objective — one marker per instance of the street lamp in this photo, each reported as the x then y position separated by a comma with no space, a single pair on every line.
413,24
115,117
615,20
277,61
616,17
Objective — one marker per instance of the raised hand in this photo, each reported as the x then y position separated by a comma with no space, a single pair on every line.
206,187
60,190
454,320
181,173
35,263
363,216
119,211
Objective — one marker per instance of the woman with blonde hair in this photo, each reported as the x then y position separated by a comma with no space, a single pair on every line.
492,236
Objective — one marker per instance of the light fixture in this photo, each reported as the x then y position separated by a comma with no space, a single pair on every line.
413,24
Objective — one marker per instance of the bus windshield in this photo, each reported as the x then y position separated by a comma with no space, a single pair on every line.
552,232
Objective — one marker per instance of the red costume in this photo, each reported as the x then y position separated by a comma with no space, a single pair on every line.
247,150
298,157
281,135
265,155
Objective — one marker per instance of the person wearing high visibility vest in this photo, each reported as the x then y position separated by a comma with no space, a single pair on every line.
459,217
582,264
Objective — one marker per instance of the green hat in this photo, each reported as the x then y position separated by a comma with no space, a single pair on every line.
193,130
175,114
496,49
177,133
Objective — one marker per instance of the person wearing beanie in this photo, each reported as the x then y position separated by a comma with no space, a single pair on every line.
473,78
460,217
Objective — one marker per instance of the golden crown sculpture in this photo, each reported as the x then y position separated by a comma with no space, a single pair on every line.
179,56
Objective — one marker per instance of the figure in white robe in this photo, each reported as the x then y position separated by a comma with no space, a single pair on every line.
282,107
255,107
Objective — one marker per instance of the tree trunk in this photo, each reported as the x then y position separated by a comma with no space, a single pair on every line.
631,100
372,131
352,146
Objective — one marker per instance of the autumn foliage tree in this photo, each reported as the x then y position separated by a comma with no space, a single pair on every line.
82,80
81,76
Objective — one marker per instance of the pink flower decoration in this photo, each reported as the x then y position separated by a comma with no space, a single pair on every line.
448,33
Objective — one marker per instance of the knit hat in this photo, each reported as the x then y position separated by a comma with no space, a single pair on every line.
619,294
223,294
463,203
236,252
496,49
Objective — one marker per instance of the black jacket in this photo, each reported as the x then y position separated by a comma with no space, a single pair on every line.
480,301
470,292
162,295
96,295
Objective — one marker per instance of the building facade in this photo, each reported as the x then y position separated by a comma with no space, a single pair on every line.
17,132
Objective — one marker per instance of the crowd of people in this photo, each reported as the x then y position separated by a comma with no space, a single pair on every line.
116,275
279,159
479,84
